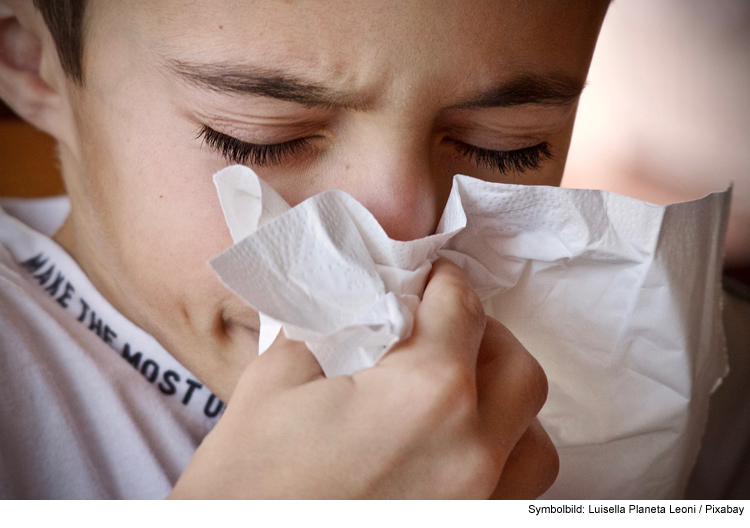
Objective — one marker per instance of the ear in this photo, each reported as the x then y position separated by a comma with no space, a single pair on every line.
32,81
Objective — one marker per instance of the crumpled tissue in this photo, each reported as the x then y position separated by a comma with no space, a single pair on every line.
619,300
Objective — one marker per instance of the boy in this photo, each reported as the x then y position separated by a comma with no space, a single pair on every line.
385,100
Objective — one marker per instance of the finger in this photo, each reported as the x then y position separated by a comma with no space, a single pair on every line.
511,388
286,364
449,322
531,467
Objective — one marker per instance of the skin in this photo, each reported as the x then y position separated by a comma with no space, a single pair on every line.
145,218
454,395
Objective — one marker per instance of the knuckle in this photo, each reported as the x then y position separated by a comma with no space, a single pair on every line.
537,385
477,472
468,304
551,467
447,389
459,300
454,384
547,464
531,468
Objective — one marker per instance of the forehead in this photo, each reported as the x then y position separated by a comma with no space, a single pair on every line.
359,43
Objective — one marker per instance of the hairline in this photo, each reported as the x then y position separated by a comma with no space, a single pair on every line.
65,20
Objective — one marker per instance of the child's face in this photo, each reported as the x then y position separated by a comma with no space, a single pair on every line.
386,100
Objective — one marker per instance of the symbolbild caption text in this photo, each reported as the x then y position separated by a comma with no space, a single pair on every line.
677,508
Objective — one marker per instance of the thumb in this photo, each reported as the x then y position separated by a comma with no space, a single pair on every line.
285,365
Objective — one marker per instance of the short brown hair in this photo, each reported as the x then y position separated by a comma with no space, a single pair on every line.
64,18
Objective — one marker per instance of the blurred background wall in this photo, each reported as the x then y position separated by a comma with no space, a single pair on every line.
28,164
665,116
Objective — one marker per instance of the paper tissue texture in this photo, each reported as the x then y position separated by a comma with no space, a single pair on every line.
619,300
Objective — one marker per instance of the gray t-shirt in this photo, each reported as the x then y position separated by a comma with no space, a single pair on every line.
90,405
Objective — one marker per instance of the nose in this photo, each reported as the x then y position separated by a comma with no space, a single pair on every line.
397,180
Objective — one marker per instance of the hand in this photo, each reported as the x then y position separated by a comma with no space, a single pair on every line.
449,413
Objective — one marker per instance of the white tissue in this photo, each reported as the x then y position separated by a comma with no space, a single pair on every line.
619,300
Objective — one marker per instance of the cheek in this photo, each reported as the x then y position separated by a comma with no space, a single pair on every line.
173,227
159,216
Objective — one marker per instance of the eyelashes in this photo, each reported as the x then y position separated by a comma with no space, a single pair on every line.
242,152
529,158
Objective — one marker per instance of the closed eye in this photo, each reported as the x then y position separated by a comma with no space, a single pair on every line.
266,155
504,161
237,151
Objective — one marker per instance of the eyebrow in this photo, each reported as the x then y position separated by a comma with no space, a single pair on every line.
263,82
537,89
547,90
